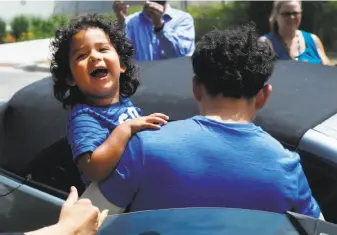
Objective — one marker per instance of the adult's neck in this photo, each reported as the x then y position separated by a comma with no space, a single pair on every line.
228,110
287,34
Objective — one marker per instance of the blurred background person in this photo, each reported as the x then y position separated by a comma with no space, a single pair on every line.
158,31
287,40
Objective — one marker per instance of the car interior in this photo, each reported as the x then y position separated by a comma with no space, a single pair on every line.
34,147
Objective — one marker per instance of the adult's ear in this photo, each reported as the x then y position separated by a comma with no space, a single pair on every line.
196,86
263,96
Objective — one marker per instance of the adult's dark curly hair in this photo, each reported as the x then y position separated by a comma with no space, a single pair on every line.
233,62
60,64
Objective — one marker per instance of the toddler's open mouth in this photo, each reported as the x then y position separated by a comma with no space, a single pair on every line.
99,73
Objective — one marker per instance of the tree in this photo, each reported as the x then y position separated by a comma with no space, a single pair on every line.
19,25
259,12
2,29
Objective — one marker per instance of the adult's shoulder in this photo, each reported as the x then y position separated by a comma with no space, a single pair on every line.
179,14
321,50
268,35
269,139
173,128
132,17
306,32
316,39
287,157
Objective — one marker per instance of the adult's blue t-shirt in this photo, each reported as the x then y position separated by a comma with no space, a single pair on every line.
199,162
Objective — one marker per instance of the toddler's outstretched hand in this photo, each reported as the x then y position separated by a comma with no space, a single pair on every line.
152,121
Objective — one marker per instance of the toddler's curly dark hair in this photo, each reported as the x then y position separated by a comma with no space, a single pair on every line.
233,62
60,64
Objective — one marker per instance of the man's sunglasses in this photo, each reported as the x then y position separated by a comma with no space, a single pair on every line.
288,14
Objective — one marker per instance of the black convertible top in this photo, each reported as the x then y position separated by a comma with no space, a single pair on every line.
303,96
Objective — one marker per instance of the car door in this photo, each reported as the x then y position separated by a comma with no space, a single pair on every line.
23,207
24,203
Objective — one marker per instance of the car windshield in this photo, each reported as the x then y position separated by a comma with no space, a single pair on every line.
198,221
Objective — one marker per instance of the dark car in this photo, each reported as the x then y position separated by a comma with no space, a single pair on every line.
36,167
220,221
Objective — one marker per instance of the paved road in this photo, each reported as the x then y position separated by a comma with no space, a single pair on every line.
30,52
12,80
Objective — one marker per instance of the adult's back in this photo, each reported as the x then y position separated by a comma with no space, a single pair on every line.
201,162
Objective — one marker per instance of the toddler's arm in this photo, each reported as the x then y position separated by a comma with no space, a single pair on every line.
97,165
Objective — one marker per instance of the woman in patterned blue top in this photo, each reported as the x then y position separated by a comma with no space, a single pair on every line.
290,43
94,74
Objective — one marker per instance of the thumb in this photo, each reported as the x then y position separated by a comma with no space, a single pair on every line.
103,215
73,196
